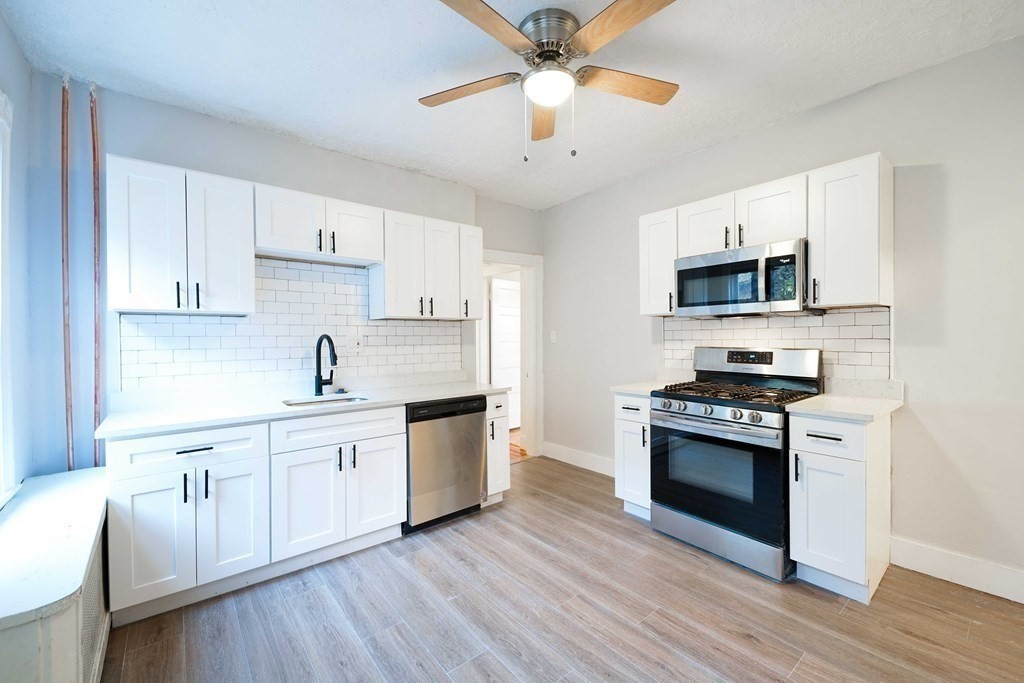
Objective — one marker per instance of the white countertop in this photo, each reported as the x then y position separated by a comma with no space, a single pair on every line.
638,389
47,533
847,408
247,408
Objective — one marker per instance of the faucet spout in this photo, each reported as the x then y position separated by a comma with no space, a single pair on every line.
318,381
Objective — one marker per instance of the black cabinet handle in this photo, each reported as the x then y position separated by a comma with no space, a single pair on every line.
670,302
353,456
633,408
320,240
796,467
643,438
492,430
206,494
727,237
431,306
497,406
826,437
340,457
814,290
184,485
332,241
197,296
421,305
177,290
741,234
186,451
467,308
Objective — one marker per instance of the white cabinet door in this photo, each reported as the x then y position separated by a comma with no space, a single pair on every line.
232,518
376,496
152,534
307,501
846,233
221,248
355,233
633,462
471,271
289,221
146,252
827,514
771,212
499,460
706,226
396,287
657,263
441,269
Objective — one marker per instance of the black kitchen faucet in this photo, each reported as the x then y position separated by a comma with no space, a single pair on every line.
318,381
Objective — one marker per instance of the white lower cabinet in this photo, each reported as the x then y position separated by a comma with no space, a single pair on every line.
633,462
499,461
307,499
151,529
376,485
232,518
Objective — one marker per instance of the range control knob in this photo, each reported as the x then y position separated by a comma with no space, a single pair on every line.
736,413
666,404
754,416
680,406
707,410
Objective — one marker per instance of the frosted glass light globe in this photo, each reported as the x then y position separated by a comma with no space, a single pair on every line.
549,84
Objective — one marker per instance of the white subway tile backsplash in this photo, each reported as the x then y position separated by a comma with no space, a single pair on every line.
295,303
854,341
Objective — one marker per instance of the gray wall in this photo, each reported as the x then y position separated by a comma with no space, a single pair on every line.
955,135
15,78
508,227
157,132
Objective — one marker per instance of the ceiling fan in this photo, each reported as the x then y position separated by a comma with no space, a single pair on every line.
548,40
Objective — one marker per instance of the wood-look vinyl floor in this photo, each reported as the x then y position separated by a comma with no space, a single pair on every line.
557,583
515,451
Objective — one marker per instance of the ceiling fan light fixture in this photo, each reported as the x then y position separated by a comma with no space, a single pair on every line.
549,84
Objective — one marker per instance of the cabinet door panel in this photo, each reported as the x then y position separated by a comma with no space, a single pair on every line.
772,212
843,233
705,226
403,267
499,459
827,514
289,221
376,484
221,247
307,501
146,251
441,269
232,518
152,534
657,263
471,271
354,232
633,462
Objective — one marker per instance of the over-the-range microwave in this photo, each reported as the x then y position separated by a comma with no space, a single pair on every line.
758,280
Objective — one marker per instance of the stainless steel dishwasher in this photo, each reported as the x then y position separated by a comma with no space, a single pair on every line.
447,459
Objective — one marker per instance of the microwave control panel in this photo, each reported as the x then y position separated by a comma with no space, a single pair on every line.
750,357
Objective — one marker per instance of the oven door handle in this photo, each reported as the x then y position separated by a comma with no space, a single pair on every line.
769,438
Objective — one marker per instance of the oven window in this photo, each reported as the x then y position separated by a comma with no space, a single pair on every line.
721,469
723,284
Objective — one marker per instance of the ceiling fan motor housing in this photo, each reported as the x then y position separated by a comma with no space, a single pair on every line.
550,30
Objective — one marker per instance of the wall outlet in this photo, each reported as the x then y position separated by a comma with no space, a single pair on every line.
554,337
354,343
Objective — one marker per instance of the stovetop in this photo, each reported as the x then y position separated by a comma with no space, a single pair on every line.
749,393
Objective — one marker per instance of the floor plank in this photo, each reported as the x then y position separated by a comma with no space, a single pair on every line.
366,607
161,662
273,646
483,667
214,621
113,658
401,657
332,645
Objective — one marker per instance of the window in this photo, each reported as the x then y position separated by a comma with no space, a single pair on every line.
7,474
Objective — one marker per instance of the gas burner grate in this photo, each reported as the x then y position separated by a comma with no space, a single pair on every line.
738,392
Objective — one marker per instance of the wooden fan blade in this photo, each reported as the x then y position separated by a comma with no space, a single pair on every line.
492,23
612,22
626,84
469,89
543,122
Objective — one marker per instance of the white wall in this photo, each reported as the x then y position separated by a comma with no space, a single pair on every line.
955,135
15,78
508,227
157,132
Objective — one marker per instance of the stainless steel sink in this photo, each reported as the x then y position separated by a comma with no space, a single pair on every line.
329,398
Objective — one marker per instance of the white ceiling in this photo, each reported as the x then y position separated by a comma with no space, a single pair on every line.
346,74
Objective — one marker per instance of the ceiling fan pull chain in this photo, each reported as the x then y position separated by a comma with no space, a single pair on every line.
572,123
526,128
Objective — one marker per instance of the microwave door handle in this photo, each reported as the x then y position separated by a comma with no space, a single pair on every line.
762,280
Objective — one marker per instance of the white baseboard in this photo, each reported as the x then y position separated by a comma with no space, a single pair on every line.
587,461
967,570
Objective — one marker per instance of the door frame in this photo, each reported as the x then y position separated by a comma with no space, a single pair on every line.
532,368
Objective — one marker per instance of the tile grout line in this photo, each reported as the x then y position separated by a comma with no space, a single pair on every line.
802,655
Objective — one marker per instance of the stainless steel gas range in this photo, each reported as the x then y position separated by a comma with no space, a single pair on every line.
718,453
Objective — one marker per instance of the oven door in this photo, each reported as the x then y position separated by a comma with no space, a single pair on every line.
729,475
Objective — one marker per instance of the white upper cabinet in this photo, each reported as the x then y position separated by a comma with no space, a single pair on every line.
147,268
657,263
376,484
441,269
289,222
354,232
397,285
221,253
771,212
471,271
850,233
706,226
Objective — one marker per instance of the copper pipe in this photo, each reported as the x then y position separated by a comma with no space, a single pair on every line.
95,274
69,422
